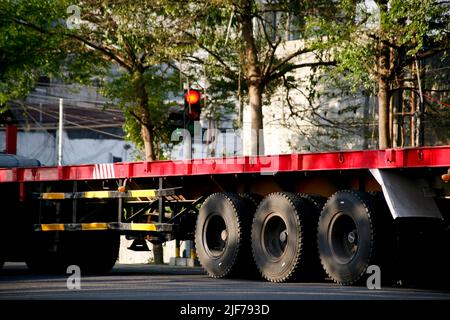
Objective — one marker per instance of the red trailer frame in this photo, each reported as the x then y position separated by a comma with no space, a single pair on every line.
340,160
222,202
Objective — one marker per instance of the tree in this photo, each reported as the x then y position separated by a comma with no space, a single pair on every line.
130,35
158,82
27,53
381,54
246,38
369,45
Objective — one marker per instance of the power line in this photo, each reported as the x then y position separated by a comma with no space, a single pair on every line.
80,126
70,106
99,122
53,97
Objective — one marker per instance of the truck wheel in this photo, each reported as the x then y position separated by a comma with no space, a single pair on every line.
251,201
279,243
346,236
315,204
46,255
220,235
96,252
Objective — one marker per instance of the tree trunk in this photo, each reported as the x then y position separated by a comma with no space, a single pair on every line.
147,137
413,110
158,253
145,119
257,136
384,94
383,115
254,78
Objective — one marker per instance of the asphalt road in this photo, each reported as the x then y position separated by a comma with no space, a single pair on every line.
147,282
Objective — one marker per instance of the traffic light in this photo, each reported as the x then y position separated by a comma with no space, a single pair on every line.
192,104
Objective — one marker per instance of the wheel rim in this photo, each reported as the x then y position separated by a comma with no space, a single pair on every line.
343,238
215,235
274,236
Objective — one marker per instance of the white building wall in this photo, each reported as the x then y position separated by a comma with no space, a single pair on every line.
284,133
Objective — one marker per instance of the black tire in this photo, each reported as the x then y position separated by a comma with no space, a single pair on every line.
316,200
46,254
346,236
315,204
95,252
252,201
279,242
220,235
422,260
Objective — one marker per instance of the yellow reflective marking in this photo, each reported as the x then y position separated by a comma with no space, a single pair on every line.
151,193
53,195
96,194
52,227
143,227
94,226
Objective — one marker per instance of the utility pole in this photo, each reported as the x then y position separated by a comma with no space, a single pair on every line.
420,138
60,132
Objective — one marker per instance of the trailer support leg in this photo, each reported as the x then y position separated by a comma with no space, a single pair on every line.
120,205
160,203
74,203
177,248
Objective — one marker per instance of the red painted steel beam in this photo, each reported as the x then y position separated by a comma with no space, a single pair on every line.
345,160
11,139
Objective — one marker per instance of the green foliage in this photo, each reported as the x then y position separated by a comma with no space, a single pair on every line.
33,44
25,54
35,41
121,92
204,40
408,28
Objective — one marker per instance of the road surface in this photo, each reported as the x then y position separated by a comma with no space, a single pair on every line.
147,282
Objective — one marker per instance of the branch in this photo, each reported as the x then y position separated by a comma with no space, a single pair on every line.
426,54
292,67
424,90
290,57
273,48
384,41
103,50
129,50
313,110
142,123
214,54
107,52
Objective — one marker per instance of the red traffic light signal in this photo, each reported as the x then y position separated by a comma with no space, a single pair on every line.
192,104
192,96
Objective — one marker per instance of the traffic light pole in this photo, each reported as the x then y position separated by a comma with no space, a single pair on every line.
60,132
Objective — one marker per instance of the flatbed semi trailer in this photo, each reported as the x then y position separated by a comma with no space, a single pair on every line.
292,217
